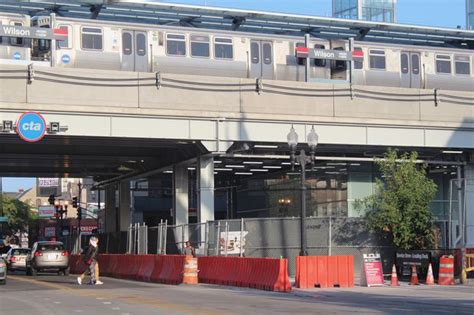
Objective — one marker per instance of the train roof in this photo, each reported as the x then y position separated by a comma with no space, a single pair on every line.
205,17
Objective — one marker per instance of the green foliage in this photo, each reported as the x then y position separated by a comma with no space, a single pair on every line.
399,210
18,213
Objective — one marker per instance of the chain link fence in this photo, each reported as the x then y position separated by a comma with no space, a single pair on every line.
266,237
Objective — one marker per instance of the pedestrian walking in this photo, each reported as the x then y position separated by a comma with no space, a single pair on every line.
189,250
90,259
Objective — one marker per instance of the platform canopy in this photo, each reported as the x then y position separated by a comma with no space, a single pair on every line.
159,13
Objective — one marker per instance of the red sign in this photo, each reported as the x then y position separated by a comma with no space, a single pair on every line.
87,229
372,272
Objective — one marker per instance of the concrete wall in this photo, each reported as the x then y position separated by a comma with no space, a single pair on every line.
219,111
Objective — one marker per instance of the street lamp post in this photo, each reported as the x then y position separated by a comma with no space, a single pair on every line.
312,139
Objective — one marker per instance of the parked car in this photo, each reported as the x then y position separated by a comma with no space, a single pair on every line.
47,256
16,258
3,271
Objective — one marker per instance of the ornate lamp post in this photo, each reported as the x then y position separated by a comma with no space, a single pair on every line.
312,139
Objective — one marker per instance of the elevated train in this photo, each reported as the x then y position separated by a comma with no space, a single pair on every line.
98,44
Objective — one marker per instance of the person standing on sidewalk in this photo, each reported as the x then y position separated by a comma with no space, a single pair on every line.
90,259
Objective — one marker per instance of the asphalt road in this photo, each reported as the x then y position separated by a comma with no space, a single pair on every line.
52,294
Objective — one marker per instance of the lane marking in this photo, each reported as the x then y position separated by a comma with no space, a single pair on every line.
132,299
107,303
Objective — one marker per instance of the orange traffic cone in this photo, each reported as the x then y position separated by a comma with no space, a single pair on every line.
394,281
414,276
429,276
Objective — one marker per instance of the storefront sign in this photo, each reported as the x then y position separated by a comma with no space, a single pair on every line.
87,229
48,182
372,274
234,241
46,211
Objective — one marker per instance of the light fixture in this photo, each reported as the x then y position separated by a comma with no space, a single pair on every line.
271,166
258,170
253,162
243,173
217,162
191,168
7,125
235,166
167,172
265,146
223,169
452,152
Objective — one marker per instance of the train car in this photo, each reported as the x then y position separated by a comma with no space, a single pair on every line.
113,45
14,49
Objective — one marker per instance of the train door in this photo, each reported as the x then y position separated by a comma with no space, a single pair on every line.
261,59
134,51
410,70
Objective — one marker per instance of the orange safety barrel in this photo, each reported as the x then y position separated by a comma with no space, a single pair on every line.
190,275
446,270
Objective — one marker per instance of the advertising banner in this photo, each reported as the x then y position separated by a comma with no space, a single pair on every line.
372,274
87,229
232,243
46,211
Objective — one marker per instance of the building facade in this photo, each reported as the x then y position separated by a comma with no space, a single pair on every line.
370,10
470,14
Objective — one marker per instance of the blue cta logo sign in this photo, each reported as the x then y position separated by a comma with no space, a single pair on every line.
31,127
66,59
17,56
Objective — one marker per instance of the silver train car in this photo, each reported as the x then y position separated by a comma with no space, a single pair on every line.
124,46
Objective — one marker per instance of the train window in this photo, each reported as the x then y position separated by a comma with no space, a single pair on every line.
223,48
91,38
358,62
127,43
339,65
300,61
175,45
415,64
443,64
255,52
141,44
377,59
404,63
461,64
267,53
16,41
319,62
200,46
64,44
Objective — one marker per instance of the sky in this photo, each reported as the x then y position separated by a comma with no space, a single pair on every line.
441,13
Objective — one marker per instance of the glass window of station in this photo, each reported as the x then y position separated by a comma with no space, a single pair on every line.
370,10
470,14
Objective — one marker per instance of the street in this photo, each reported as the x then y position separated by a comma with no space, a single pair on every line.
51,294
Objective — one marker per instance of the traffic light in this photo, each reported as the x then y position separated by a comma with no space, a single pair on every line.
79,213
51,199
74,202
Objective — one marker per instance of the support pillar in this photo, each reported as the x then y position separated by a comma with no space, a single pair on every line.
124,206
181,197
110,211
469,205
205,184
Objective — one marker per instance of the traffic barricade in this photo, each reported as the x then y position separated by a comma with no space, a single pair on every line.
190,274
259,273
324,271
446,270
146,266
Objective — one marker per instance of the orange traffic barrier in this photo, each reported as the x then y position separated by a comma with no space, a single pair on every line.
429,276
260,273
394,280
414,276
190,275
324,271
446,270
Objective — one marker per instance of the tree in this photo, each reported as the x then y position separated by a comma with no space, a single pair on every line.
399,210
18,214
